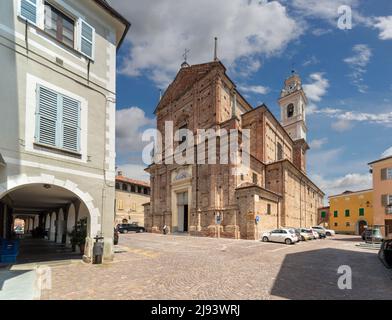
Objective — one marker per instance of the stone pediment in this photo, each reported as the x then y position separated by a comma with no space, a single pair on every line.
184,80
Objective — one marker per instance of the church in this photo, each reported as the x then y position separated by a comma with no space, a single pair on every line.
207,199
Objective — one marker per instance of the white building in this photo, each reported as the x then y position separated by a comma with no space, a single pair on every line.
57,124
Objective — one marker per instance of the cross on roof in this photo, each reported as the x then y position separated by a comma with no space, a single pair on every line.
185,55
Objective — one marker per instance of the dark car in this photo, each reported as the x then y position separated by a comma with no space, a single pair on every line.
372,235
115,237
385,253
130,227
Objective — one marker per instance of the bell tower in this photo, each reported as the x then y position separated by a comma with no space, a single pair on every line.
293,103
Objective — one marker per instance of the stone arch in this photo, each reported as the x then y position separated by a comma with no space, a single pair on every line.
360,225
14,182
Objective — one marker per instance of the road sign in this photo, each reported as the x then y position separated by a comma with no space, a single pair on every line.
218,219
257,219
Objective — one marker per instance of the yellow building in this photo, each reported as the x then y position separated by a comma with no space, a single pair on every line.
131,195
351,212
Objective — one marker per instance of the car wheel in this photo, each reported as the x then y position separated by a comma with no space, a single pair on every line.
141,231
125,231
288,241
265,239
302,238
329,234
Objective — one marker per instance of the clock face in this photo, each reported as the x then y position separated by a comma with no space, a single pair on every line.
291,87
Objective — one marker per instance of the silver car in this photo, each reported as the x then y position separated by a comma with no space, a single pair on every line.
286,236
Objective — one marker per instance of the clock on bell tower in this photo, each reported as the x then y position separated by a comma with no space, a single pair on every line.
293,104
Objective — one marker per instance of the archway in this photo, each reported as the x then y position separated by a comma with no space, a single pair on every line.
361,226
45,207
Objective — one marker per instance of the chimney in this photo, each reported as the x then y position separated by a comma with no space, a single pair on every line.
120,173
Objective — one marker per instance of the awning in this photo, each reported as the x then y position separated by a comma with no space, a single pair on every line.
2,162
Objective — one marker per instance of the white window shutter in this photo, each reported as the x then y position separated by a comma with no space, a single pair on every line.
47,118
86,39
29,10
70,124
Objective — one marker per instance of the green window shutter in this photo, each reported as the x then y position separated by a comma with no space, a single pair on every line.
70,126
47,116
361,211
335,214
323,214
347,213
28,10
87,37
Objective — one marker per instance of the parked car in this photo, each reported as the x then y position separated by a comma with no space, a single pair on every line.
327,232
385,253
296,232
321,233
372,235
115,237
129,227
306,234
280,235
315,234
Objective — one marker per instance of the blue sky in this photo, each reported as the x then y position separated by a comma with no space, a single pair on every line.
347,74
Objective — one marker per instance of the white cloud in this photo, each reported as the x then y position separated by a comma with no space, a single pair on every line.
387,153
358,63
325,9
134,171
318,143
310,61
161,30
384,24
316,90
342,125
318,32
254,89
348,182
340,114
129,124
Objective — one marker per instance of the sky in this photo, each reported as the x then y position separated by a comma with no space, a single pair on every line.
346,73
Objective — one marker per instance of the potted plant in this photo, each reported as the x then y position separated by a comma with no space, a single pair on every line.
78,235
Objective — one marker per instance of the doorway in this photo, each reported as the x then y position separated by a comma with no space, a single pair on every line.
183,212
361,227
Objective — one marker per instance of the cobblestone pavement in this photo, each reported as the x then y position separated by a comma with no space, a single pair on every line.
160,267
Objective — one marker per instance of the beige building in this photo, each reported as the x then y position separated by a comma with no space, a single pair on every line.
57,129
131,195
275,191
382,193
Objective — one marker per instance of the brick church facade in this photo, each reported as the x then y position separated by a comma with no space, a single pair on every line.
274,192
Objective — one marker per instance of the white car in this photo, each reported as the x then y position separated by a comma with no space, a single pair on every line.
315,234
286,236
328,232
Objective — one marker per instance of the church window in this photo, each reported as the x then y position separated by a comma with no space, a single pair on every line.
290,110
255,178
269,209
280,152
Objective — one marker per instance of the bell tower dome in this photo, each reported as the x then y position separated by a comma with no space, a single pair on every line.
293,104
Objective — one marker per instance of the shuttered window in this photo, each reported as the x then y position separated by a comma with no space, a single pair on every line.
28,10
58,120
361,211
87,35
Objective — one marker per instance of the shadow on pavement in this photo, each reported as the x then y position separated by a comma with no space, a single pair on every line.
314,275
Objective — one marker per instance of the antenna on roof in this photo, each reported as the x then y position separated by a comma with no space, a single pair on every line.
216,49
